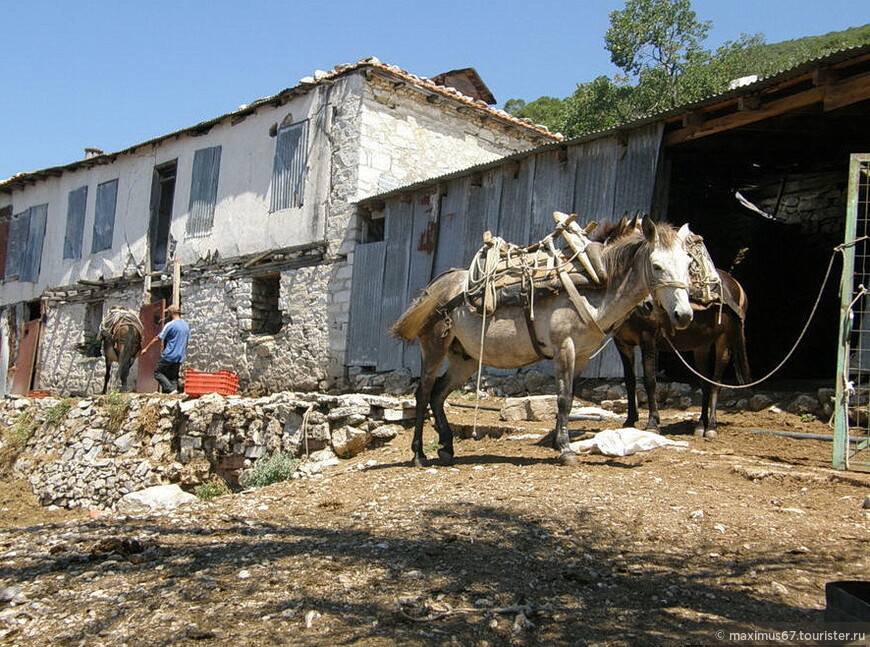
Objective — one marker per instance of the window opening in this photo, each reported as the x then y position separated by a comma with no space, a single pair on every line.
34,311
203,191
162,197
288,169
91,343
266,317
75,223
104,216
372,226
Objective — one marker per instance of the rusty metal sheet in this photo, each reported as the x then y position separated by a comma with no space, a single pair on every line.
152,316
26,360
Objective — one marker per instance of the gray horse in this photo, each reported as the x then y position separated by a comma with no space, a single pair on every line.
653,261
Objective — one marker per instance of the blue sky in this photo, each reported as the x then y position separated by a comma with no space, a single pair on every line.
114,74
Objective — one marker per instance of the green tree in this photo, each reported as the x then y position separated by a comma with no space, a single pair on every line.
654,41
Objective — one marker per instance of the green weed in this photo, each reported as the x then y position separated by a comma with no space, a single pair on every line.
270,469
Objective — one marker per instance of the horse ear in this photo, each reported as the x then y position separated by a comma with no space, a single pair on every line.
649,230
684,232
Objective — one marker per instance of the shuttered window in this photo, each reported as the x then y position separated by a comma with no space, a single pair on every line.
104,216
24,248
19,228
288,170
5,217
33,253
203,191
75,223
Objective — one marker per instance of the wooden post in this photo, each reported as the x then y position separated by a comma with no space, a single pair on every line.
176,283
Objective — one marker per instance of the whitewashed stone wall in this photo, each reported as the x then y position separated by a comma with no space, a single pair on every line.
62,368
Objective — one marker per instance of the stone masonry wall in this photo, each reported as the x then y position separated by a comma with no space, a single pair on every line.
90,452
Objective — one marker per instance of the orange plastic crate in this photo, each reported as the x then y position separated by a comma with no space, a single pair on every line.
196,383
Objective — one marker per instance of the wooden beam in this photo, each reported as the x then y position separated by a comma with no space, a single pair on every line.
720,124
847,92
832,97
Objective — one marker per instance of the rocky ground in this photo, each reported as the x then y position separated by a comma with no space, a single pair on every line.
503,548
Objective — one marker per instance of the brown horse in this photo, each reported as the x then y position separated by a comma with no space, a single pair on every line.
121,334
652,262
715,336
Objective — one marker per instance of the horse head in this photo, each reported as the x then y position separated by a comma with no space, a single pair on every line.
668,272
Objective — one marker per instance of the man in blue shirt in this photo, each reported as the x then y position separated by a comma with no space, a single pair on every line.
174,336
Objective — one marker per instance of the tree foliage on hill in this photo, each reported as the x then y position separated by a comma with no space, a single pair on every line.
658,46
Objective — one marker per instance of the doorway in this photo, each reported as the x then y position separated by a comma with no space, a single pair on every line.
162,197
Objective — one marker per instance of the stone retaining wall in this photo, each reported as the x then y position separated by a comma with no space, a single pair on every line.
93,451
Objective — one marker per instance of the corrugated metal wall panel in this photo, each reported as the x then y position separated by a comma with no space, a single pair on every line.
599,180
475,222
595,177
514,223
636,171
449,248
395,297
75,222
553,190
203,191
424,237
365,333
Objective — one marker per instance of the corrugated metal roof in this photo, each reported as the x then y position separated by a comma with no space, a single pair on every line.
305,85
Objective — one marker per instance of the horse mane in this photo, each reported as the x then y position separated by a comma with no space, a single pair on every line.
623,244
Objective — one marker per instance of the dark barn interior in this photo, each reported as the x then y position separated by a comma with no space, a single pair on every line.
794,166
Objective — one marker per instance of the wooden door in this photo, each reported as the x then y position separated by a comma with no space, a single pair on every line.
152,323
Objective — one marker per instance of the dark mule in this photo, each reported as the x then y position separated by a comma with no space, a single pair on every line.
715,336
638,264
121,334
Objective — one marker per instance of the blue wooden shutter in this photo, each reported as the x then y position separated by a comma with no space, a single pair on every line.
19,230
104,216
203,191
32,259
288,170
75,222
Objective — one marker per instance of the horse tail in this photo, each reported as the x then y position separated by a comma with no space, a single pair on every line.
426,306
739,356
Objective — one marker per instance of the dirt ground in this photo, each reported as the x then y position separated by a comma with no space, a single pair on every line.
505,547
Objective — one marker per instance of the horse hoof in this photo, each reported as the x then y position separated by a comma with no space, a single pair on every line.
699,432
711,433
569,459
445,458
419,461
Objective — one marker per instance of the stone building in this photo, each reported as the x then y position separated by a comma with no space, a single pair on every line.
247,219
